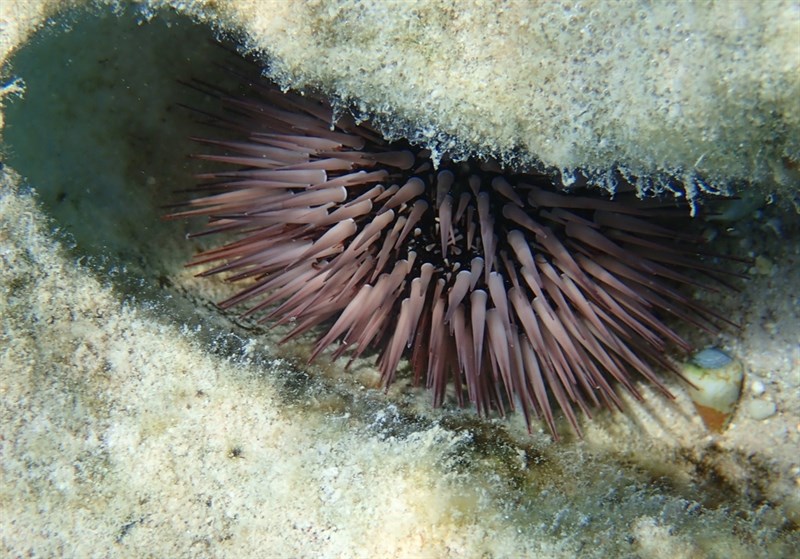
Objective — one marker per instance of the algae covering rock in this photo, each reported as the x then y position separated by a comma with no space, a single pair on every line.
707,95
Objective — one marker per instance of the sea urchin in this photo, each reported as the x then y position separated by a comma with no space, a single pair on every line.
512,292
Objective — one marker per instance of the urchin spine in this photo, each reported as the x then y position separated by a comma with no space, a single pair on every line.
495,282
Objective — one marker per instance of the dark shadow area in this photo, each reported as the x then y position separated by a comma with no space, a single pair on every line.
100,135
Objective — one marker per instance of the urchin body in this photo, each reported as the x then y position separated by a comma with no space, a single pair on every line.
488,280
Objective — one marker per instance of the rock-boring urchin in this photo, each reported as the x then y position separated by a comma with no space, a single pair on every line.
490,280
